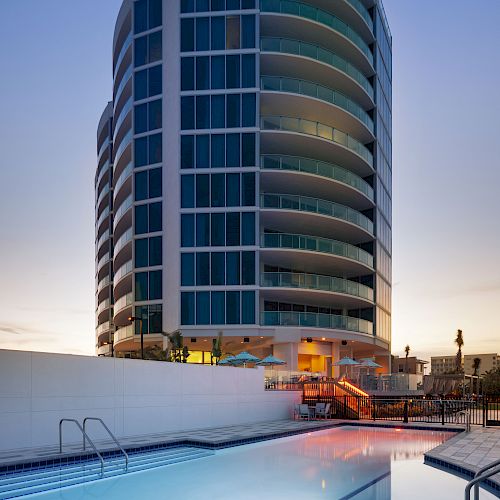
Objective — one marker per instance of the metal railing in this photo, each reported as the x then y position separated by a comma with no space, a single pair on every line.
84,437
110,434
482,474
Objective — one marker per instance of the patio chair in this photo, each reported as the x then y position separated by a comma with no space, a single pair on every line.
318,409
324,411
296,411
304,412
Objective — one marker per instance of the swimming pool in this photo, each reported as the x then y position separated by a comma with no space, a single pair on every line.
350,462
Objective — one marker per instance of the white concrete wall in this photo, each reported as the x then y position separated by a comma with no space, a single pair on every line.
133,397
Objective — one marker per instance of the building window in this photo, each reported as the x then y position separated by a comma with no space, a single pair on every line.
147,49
148,218
187,308
218,308
147,15
148,82
148,150
148,251
248,307
148,184
187,230
187,269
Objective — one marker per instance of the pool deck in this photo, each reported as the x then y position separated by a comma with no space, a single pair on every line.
467,452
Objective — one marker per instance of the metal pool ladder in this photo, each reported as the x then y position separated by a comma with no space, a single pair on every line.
84,436
484,473
109,432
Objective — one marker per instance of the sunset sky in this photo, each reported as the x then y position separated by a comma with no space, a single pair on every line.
56,80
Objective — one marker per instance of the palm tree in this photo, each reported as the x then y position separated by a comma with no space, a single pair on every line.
476,363
216,349
407,351
459,340
176,350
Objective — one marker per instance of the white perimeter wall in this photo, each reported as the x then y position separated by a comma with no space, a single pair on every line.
133,397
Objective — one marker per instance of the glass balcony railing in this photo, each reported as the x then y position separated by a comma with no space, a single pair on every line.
310,89
102,194
127,139
123,302
123,114
362,11
105,304
102,171
316,129
123,177
122,271
320,16
125,78
104,214
296,47
309,166
103,327
316,206
123,51
102,239
104,145
315,244
316,282
105,281
127,203
123,240
315,320
123,333
105,258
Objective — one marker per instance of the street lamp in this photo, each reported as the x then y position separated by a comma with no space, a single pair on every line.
135,318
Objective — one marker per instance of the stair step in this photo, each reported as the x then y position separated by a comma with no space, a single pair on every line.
25,484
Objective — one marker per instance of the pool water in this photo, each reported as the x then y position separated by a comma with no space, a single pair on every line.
343,463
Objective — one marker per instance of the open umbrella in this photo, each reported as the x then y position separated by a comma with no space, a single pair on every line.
369,363
271,361
227,361
346,361
244,358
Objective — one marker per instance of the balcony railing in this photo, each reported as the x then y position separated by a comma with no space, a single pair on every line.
123,50
296,47
127,139
123,177
314,244
316,320
308,127
362,11
303,87
123,302
103,327
123,240
316,206
123,270
126,204
320,16
316,282
309,166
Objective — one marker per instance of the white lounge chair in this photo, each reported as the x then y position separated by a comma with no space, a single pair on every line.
304,412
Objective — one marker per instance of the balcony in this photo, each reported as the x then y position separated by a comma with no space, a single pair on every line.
314,255
308,58
324,28
321,217
316,320
298,175
297,134
325,290
328,105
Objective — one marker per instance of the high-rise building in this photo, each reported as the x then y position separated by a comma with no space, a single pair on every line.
244,180
441,365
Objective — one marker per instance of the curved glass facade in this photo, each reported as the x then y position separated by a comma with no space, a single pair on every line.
252,188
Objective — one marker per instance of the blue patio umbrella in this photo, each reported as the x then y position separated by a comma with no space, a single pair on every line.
270,361
227,361
346,361
244,358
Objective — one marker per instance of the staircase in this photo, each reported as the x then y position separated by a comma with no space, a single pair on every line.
21,483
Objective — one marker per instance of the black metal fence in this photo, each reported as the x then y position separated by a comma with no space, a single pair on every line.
481,411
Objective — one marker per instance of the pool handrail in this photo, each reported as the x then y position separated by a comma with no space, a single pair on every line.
109,432
492,468
84,436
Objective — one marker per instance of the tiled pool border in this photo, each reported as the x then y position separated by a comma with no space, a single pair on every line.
32,465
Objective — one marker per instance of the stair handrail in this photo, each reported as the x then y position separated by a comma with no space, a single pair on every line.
480,475
110,433
84,436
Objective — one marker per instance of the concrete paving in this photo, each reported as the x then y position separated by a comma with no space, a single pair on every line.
469,451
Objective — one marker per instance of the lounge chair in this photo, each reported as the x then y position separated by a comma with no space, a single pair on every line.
324,411
318,409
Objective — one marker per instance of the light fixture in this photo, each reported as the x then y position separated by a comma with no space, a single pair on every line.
193,340
344,342
246,340
309,340
323,338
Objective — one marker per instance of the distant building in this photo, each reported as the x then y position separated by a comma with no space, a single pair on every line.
415,365
488,362
443,364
